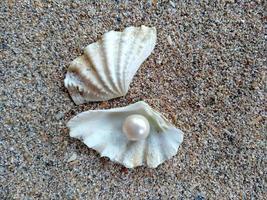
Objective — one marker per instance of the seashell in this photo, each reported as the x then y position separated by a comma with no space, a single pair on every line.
106,68
109,133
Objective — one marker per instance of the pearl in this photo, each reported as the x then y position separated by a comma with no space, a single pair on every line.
136,127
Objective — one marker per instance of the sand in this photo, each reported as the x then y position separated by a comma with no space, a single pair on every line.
206,75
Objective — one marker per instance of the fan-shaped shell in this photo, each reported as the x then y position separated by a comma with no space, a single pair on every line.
102,131
106,68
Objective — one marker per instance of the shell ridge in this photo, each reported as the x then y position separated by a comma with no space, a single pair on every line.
133,154
77,98
75,90
147,44
120,157
80,66
177,137
95,56
129,32
89,84
133,34
109,60
161,145
98,76
161,156
174,140
142,153
152,152
136,32
108,72
125,51
145,48
164,142
145,152
136,48
119,63
96,81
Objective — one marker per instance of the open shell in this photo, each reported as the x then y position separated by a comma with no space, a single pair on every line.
106,68
102,131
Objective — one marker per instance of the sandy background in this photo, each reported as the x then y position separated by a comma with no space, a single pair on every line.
206,75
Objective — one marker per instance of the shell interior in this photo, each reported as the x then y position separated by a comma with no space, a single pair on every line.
102,131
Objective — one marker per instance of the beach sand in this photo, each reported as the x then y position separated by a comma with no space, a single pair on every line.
206,75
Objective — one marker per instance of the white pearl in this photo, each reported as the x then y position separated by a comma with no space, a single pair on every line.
136,127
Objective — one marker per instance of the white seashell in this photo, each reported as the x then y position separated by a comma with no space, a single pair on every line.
107,67
102,130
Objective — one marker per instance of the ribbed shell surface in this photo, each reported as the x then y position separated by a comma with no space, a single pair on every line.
106,68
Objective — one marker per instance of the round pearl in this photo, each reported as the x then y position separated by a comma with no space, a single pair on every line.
136,127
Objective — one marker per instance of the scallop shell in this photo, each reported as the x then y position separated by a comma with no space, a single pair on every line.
106,68
102,131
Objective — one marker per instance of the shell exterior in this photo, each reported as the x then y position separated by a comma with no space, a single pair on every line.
102,131
106,68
